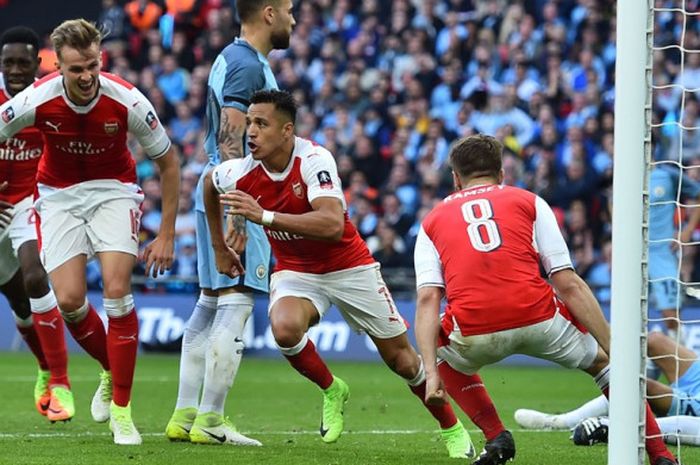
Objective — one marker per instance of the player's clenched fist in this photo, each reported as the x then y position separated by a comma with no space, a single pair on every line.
243,204
434,390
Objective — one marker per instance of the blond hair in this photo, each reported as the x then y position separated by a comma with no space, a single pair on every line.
79,34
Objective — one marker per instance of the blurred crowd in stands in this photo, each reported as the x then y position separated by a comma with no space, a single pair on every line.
388,85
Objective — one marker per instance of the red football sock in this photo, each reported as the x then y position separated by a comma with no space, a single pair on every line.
470,394
32,339
122,344
49,328
309,364
90,334
442,413
655,445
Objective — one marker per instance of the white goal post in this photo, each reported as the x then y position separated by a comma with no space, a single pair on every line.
630,178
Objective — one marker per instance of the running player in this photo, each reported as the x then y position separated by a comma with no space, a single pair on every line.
89,204
291,186
22,277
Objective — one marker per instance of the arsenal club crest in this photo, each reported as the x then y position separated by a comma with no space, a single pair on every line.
111,127
298,190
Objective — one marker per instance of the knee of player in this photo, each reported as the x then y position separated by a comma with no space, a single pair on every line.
287,333
71,301
115,289
36,281
405,363
655,342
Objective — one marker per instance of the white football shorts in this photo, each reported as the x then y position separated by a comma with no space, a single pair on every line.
22,229
87,218
556,339
359,293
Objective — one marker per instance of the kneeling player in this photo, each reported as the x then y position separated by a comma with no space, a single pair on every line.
291,186
482,248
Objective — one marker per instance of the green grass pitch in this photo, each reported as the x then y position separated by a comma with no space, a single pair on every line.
384,422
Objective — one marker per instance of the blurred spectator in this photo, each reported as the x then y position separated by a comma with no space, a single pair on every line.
389,86
174,81
184,127
143,14
113,20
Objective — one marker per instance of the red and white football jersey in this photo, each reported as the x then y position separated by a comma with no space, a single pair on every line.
19,158
311,173
484,245
84,143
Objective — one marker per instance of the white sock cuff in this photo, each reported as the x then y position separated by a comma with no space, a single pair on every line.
207,301
43,304
420,376
235,298
291,351
23,322
602,379
78,315
118,308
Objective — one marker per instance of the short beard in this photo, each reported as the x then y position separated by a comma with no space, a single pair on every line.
279,40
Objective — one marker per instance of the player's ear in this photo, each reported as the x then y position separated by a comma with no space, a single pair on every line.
501,176
457,182
288,129
269,14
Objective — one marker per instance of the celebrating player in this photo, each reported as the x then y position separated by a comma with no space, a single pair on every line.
482,248
291,186
89,205
681,398
23,279
212,345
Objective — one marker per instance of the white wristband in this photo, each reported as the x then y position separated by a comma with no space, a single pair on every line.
267,217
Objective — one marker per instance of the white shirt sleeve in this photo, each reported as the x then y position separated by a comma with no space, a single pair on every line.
226,175
17,114
549,241
426,260
145,125
320,174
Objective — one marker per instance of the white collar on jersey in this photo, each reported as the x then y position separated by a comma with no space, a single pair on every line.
283,175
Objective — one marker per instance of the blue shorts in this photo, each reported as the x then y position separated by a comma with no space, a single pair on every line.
663,266
686,392
256,259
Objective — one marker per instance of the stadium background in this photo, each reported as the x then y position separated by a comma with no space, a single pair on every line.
387,86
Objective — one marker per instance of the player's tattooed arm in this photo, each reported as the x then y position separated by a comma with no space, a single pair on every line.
230,140
231,132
